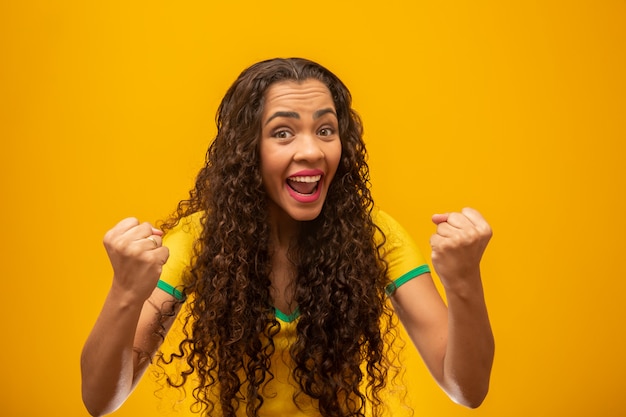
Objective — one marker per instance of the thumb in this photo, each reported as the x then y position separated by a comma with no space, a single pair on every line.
440,218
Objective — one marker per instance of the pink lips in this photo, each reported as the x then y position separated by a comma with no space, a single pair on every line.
301,198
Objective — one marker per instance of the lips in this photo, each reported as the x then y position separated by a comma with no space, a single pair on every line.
304,186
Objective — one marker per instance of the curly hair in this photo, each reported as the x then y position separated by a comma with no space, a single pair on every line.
340,352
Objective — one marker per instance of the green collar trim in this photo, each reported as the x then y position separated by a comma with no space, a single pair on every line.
287,318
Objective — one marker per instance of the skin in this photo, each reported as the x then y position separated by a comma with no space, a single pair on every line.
298,132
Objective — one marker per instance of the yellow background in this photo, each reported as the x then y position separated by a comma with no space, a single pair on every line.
516,108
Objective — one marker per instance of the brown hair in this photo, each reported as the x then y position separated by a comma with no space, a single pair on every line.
340,274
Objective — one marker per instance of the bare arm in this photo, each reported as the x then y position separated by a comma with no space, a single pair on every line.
111,364
456,342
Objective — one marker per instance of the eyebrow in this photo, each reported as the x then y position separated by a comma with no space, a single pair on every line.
289,114
322,112
294,115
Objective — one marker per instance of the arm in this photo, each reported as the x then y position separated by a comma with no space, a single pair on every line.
456,342
128,324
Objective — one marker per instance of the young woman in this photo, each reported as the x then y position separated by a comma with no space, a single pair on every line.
285,270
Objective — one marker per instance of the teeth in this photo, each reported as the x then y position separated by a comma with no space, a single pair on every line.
314,178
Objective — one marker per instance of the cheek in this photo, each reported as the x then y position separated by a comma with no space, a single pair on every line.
265,162
271,169
335,156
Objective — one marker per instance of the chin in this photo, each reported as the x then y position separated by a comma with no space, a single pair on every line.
306,217
305,214
294,211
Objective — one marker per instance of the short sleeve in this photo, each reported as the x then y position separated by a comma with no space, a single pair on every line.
180,242
404,259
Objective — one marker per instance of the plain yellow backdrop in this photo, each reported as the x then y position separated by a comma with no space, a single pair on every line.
515,108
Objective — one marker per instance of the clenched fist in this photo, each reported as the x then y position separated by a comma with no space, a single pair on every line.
137,256
458,246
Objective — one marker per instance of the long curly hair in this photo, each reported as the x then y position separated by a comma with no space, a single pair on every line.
339,355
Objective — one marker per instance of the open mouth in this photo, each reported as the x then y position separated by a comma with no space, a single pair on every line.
305,185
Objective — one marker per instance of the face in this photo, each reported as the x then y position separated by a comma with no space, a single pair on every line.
300,148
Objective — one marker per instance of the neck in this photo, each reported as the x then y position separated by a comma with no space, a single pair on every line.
283,233
284,230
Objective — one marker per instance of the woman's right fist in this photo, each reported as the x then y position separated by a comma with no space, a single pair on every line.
137,257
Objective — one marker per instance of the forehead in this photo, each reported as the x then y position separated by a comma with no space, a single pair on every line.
310,92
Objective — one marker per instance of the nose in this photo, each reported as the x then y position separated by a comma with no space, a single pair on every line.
308,148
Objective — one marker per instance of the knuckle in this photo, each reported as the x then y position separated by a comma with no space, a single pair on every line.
129,250
473,235
146,225
459,239
484,232
109,237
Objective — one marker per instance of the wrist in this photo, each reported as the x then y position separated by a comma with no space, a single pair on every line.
463,286
125,298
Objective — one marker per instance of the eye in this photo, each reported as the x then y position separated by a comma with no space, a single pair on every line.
282,134
326,131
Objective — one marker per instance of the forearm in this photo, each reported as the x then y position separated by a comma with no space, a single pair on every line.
107,361
470,348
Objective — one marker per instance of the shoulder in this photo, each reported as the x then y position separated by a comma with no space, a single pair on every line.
188,228
392,231
180,241
403,257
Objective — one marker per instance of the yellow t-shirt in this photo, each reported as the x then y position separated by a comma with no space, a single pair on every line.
404,260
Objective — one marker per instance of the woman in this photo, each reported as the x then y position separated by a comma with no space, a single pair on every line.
285,270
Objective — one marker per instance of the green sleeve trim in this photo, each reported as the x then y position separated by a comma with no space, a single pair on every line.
287,318
398,282
170,290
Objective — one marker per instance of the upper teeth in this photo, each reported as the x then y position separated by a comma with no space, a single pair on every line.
314,178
